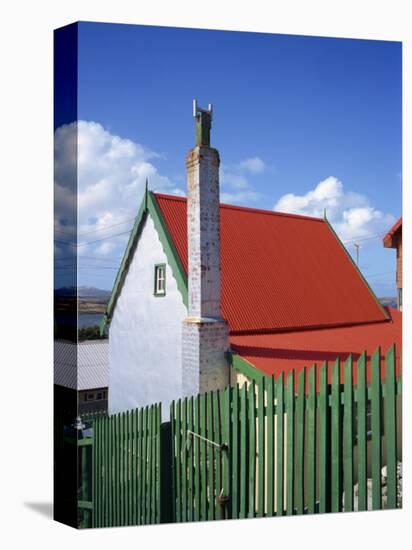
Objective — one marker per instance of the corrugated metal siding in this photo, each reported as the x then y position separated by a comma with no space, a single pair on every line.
82,366
283,352
279,271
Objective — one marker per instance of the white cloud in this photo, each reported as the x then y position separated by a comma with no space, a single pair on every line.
254,165
351,214
112,173
234,179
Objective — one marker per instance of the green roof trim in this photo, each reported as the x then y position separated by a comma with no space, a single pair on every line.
243,366
150,207
168,246
358,270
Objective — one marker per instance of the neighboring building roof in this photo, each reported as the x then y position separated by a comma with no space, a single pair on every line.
274,354
279,271
389,240
82,365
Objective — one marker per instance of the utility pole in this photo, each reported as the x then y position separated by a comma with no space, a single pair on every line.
357,246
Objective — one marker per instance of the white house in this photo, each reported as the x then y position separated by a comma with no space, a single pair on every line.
198,279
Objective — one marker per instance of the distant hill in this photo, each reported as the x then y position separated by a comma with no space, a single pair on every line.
84,292
93,292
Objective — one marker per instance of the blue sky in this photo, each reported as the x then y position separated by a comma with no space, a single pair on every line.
301,124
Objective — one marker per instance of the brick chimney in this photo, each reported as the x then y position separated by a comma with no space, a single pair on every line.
205,334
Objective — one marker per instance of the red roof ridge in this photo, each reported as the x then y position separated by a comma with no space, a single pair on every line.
246,208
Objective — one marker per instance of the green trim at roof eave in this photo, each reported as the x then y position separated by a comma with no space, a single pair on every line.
386,315
124,266
147,206
243,366
168,246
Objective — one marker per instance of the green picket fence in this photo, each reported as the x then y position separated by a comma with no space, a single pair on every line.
311,444
289,446
126,468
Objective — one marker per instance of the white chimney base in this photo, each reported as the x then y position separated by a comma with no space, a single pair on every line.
204,364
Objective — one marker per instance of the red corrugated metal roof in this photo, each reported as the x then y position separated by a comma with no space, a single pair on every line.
285,352
280,271
388,238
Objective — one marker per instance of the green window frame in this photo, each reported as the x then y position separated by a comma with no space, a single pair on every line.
159,280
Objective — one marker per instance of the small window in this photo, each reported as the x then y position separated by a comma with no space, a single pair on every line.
160,280
90,397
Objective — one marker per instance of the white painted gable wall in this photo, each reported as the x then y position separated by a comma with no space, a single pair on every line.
145,338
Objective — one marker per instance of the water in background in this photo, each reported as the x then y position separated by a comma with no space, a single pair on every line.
89,319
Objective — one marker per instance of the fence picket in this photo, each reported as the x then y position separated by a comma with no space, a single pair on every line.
127,453
376,430
197,463
217,454
261,449
311,442
210,457
324,485
225,408
184,459
178,461
252,449
279,446
234,421
204,477
105,473
153,465
390,425
361,432
270,446
290,440
300,441
348,435
140,492
243,452
190,461
336,505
